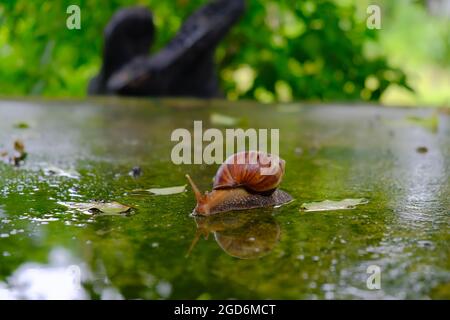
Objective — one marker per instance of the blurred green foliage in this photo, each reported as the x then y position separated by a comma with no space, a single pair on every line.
280,50
419,43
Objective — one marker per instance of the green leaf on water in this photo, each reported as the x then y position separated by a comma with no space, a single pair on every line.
102,208
21,125
430,123
167,191
288,108
329,205
223,120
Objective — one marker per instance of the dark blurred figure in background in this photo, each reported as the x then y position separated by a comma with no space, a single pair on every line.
184,67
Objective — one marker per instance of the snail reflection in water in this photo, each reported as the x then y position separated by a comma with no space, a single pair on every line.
245,236
245,180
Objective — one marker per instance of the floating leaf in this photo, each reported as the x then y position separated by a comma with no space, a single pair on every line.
55,171
167,191
104,208
430,123
223,120
21,125
329,205
288,108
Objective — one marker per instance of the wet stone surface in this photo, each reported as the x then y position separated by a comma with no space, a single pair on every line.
89,151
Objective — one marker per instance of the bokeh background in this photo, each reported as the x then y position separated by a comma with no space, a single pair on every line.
280,51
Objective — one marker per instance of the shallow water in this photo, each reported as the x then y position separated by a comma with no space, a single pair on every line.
332,152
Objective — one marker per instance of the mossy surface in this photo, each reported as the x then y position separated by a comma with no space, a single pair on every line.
331,152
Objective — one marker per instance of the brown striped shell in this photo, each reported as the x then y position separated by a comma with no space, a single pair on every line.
243,169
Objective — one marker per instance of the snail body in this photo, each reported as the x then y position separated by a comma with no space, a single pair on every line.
239,185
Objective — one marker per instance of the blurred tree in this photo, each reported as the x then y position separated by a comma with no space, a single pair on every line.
280,50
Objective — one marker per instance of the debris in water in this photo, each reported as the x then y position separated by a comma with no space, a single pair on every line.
55,171
17,156
135,172
422,149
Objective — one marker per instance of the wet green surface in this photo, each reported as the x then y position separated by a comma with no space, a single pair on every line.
331,152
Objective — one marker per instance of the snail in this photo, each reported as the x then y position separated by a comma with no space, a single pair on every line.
246,180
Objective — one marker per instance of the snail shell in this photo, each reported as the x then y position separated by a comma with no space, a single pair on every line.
245,180
243,169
